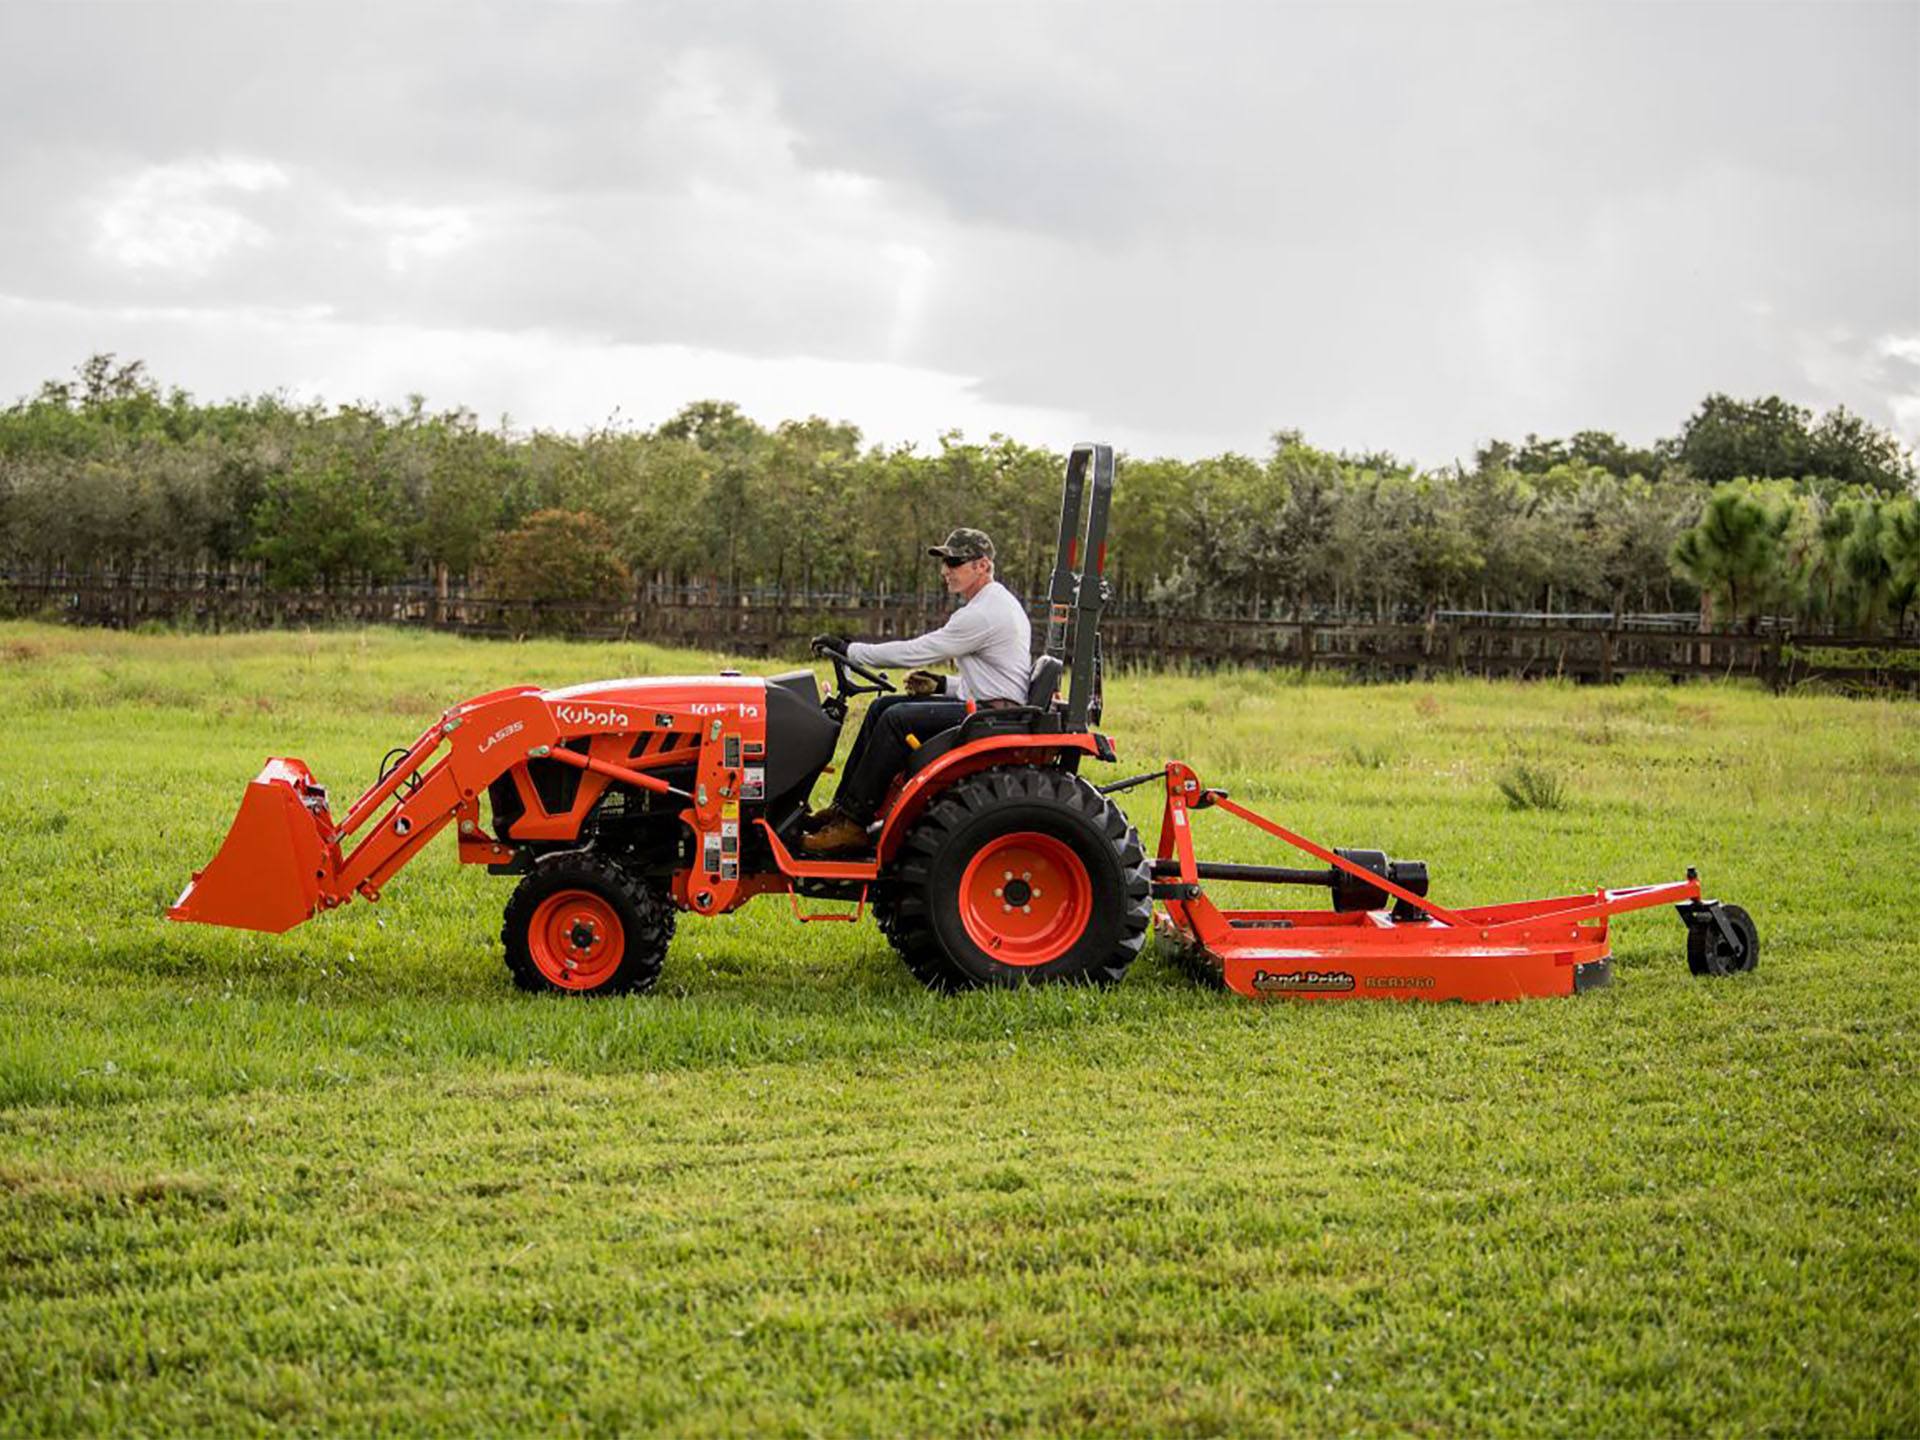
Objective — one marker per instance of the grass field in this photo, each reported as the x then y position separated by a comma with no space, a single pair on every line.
348,1179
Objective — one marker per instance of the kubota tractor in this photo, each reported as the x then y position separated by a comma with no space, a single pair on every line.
623,803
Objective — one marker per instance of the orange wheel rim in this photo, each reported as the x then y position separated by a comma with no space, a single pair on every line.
1025,898
576,939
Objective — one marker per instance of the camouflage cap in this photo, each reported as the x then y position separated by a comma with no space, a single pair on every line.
964,544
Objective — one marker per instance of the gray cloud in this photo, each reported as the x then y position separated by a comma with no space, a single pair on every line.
1403,227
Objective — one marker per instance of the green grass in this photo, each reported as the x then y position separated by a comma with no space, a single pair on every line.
1533,787
347,1179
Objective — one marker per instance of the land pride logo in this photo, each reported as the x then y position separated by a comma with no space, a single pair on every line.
1302,982
608,719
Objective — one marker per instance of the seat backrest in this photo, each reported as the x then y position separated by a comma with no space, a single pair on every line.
1046,680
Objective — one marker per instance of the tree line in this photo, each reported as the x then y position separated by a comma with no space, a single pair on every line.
1751,508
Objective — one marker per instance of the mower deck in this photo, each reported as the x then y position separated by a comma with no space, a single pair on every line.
1415,950
1503,952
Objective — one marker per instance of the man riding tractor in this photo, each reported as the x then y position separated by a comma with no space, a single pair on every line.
988,639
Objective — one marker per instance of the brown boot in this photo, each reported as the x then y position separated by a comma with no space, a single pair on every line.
840,834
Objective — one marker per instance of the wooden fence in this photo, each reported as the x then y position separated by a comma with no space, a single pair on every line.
1587,649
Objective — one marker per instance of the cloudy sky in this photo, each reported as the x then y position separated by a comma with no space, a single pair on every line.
1178,226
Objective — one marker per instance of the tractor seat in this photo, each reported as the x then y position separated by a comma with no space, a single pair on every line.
1046,680
1018,720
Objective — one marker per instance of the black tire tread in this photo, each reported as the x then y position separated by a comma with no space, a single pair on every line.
647,915
1706,955
901,906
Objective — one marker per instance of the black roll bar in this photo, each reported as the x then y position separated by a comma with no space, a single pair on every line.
1078,593
1066,559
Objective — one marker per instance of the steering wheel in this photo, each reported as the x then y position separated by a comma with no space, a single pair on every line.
878,683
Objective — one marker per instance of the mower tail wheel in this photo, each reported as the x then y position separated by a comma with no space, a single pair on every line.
1018,876
581,925
1710,953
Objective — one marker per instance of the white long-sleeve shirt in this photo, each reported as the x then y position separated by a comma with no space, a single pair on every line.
989,639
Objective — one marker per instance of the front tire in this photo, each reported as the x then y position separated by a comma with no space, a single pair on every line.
580,925
1019,876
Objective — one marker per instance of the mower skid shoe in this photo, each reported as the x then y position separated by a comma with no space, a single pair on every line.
268,873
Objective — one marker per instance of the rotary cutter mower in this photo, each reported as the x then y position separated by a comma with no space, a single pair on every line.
622,805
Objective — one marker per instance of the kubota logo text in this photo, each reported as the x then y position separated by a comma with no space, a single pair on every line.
586,715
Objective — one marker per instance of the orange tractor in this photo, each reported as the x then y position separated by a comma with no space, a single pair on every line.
624,803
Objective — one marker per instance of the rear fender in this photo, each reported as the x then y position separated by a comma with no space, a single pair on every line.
927,785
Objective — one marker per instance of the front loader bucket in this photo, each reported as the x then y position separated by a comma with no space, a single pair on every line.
269,873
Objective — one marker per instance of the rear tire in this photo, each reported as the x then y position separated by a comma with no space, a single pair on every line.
581,925
1019,876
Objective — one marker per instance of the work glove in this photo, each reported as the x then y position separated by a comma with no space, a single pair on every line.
830,641
925,682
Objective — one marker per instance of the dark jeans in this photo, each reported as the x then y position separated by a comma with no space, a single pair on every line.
880,750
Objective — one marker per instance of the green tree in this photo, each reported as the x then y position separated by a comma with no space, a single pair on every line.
804,473
735,518
1900,540
332,514
1822,565
1865,563
1587,449
553,561
1145,526
1771,438
1728,439
1618,534
717,427
664,527
1733,553
1844,448
463,501
1298,542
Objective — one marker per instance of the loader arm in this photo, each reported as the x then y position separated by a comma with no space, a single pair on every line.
286,860
283,861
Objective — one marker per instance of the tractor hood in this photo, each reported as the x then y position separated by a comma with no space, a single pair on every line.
666,691
619,704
